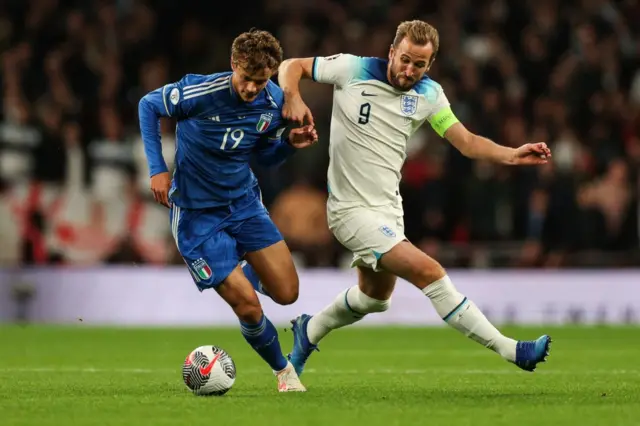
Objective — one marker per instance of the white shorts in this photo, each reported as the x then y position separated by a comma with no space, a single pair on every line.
367,232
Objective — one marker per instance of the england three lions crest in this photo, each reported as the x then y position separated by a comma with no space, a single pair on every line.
409,104
264,122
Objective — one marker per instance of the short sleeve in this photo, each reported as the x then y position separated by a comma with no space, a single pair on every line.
337,69
171,98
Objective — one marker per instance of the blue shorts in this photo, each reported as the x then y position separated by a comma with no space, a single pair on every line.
212,241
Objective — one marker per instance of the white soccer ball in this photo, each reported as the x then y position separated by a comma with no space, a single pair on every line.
209,370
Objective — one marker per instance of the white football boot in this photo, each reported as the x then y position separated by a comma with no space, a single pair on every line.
288,380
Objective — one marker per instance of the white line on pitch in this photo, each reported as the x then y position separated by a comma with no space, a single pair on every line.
431,371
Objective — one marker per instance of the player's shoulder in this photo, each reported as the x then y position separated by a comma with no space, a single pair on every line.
193,80
194,87
429,89
368,68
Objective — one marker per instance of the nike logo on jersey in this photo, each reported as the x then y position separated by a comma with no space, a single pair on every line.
364,93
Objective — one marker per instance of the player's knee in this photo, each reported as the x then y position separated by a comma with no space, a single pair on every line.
286,296
249,312
426,272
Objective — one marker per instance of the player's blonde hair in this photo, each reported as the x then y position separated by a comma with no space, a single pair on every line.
418,32
255,50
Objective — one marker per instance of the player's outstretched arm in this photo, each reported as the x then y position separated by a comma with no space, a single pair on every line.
290,73
481,148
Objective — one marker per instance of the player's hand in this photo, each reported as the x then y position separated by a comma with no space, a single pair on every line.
303,137
160,185
531,154
296,110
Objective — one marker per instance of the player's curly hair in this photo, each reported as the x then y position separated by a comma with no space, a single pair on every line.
255,50
419,32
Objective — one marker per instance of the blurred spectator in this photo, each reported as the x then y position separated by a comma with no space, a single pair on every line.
300,214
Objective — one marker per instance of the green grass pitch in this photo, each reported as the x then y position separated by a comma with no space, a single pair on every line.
362,376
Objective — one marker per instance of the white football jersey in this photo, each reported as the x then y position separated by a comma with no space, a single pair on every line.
371,122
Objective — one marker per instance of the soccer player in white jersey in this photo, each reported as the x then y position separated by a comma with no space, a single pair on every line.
377,105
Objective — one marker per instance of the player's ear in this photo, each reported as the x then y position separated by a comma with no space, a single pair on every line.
431,61
390,52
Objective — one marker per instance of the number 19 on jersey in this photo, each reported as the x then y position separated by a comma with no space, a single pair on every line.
236,136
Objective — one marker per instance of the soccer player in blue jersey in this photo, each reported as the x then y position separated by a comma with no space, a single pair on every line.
216,213
378,104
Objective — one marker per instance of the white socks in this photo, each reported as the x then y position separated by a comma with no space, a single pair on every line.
463,315
455,309
350,306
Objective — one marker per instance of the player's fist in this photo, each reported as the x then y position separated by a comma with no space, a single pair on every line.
160,185
531,154
296,110
303,137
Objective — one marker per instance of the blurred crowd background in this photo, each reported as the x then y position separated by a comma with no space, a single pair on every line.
74,180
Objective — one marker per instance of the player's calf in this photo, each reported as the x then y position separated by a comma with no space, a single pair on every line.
256,328
248,313
241,298
349,307
371,295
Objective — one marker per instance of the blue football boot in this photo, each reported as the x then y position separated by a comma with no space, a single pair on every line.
531,352
302,347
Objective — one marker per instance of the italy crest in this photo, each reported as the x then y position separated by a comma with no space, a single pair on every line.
202,269
263,123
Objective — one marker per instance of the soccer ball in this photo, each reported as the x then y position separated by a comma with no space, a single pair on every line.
209,370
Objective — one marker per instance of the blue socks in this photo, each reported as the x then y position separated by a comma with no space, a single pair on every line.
263,338
253,278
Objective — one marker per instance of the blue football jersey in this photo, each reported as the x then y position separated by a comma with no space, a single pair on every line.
217,133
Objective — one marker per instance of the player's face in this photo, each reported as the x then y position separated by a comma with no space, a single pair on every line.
249,85
407,63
